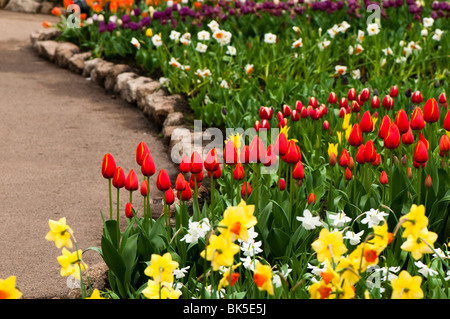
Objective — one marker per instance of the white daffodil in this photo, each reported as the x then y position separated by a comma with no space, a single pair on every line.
387,51
373,217
355,238
373,29
248,68
424,32
136,43
358,49
174,35
180,273
224,84
437,35
427,22
203,36
197,230
343,26
270,38
324,44
356,74
297,44
185,39
424,269
213,26
339,219
309,221
173,62
340,69
333,31
156,40
360,36
201,47
231,50
164,81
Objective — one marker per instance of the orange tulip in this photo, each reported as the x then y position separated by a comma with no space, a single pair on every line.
444,145
56,11
108,166
428,182
311,199
47,24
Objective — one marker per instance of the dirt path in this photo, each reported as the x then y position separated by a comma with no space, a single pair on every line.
55,127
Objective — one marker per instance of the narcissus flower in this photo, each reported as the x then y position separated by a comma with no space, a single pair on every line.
237,220
108,166
406,287
263,277
59,233
8,289
220,251
161,268
71,263
329,246
414,221
95,295
160,290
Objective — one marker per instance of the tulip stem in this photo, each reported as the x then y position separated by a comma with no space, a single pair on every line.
419,183
167,218
196,208
149,213
118,213
392,174
110,199
212,199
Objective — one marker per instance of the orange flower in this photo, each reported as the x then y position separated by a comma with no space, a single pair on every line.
56,11
108,166
46,24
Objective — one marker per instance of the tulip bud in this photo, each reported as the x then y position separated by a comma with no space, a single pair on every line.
180,182
365,94
169,196
144,188
409,172
295,116
303,112
442,98
131,182
298,171
383,178
281,184
211,160
384,126
351,163
428,182
184,165
141,151
257,125
313,102
360,155
298,106
216,173
265,113
344,158
351,95
196,165
118,180
377,160
148,165
280,116
431,111
417,121
375,103
108,166
408,138
311,199
342,112
163,181
265,124
186,193
326,125
444,145
420,153
348,174
343,103
446,123
246,190
282,123
408,93
369,152
333,160
239,172
293,154
129,210
286,110
394,91
416,97
388,102
332,98
257,151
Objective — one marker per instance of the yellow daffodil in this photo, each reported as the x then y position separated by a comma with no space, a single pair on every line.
406,287
237,220
348,267
346,122
361,257
95,295
333,148
71,263
420,244
228,277
161,268
160,290
414,221
329,246
263,277
220,251
8,288
320,290
59,233
380,238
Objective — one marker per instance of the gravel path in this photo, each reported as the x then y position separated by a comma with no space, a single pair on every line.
55,128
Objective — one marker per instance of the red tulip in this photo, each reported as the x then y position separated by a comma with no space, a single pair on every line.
184,165
375,103
420,153
351,95
428,182
186,193
286,109
298,106
169,196
383,178
239,172
417,121
394,91
344,158
377,160
313,102
442,98
230,154
270,158
355,138
196,164
311,198
129,210
180,182
131,182
408,138
416,97
295,116
351,163
257,125
365,94
280,116
141,151
392,138
194,178
360,155
431,111
333,160
343,103
402,121
388,102
118,180
447,121
384,126
315,114
444,145
424,140
366,123
293,154
342,112
265,113
348,174
298,172
265,124
281,184
144,188
211,160
303,112
108,166
332,98
326,125
257,150
370,153
244,157
246,189
216,173
282,123
148,165
163,180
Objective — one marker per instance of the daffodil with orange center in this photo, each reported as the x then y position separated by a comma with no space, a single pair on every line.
263,278
329,246
8,288
237,220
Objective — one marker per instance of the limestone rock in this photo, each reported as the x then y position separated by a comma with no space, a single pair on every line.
46,7
89,65
129,91
157,107
43,35
46,49
64,51
76,62
98,73
167,132
174,119
111,76
29,6
122,80
145,89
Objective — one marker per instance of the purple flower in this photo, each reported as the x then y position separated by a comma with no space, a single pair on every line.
111,26
134,26
125,18
101,26
137,12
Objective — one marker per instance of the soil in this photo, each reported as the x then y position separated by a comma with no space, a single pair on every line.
55,128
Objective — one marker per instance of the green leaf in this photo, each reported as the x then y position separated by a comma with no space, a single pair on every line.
278,241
